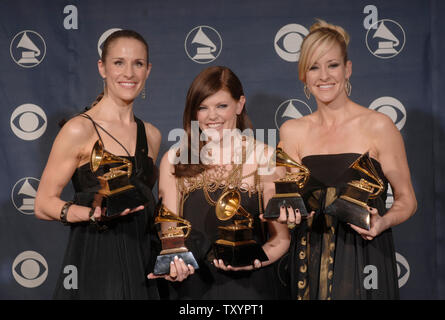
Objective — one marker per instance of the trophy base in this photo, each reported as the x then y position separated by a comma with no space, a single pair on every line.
349,212
118,202
163,261
238,254
286,199
234,233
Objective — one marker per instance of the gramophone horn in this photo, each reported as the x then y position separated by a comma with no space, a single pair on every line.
165,215
229,204
364,165
99,156
284,160
96,156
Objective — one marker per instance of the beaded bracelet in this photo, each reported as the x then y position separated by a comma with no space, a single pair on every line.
64,212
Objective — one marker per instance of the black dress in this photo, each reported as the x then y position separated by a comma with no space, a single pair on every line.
113,261
328,258
208,282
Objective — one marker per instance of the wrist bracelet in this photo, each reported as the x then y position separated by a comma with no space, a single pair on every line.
91,217
64,212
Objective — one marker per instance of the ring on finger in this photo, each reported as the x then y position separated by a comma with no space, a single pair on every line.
291,225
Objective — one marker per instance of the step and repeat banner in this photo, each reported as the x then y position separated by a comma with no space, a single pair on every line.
48,71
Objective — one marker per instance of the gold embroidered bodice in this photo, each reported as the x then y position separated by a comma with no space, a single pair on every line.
243,177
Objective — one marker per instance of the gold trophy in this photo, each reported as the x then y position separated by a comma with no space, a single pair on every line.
235,245
173,230
287,189
351,205
116,190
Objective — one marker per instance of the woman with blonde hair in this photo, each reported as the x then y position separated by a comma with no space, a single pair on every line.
334,257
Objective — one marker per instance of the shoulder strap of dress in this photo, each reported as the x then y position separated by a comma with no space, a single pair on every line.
102,128
141,142
94,125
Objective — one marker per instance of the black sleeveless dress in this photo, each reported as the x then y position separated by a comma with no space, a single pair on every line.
113,261
208,282
328,259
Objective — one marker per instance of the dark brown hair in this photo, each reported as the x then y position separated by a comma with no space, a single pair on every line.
112,38
208,82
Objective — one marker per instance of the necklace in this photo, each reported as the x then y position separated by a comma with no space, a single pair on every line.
233,180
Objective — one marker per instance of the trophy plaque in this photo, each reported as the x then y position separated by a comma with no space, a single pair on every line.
236,246
173,230
351,205
287,189
116,191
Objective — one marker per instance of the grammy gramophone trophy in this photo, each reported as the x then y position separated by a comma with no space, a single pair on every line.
116,190
236,246
351,205
173,230
287,189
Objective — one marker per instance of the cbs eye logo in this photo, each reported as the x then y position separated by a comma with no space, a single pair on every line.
288,41
28,122
104,37
393,108
30,269
403,270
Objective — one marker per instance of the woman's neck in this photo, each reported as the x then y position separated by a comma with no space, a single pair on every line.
108,110
334,113
227,150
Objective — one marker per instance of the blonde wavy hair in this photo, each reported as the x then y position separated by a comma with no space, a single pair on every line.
321,35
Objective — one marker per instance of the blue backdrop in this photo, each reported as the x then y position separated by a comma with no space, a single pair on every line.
48,71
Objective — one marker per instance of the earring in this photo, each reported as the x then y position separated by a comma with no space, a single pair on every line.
307,92
348,87
143,93
105,84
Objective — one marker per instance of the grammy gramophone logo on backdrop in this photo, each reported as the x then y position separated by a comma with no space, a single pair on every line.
385,39
23,194
203,44
291,109
27,48
389,198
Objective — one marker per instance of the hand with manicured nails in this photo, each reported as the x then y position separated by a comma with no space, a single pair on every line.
179,271
289,216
